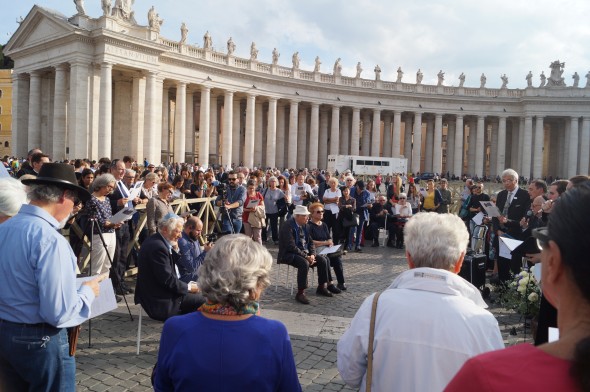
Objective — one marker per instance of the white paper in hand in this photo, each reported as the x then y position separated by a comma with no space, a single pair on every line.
105,302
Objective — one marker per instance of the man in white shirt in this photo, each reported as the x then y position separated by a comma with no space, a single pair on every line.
428,322
300,191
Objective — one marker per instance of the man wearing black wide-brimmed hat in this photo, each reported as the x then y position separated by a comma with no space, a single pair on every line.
39,297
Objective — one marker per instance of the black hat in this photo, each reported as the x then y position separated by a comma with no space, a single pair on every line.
61,175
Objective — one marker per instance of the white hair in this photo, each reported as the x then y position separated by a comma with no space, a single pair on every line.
435,240
170,223
12,196
510,173
233,268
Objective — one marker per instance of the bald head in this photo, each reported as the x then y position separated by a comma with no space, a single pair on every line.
193,227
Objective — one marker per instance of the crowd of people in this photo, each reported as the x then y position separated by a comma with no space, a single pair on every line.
306,213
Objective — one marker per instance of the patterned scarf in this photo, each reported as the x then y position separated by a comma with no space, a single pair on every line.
229,310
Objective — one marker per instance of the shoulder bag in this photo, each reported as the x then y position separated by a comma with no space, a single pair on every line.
371,340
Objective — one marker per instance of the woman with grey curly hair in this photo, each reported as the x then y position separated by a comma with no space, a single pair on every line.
227,343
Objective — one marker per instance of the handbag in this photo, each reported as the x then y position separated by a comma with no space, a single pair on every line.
464,212
351,222
371,340
282,206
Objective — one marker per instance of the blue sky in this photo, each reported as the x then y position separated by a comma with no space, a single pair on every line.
492,37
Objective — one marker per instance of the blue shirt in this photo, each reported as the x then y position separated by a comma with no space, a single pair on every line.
191,258
237,194
38,273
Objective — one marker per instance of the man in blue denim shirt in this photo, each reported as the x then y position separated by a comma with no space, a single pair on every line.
191,255
363,203
234,205
39,297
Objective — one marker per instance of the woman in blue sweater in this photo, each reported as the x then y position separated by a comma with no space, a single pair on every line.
227,346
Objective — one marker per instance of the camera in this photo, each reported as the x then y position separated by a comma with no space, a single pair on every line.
210,238
221,190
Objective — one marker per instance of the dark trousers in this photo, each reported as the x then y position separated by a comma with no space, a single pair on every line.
505,266
547,318
190,303
302,266
119,266
336,263
273,222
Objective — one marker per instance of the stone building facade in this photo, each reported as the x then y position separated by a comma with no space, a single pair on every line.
108,86
5,112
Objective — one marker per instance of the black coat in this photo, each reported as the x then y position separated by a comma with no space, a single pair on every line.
521,203
158,290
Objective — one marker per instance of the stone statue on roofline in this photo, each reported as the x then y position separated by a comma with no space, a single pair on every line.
588,79
106,7
529,79
359,70
154,20
400,74
183,33
207,41
556,77
377,72
275,56
504,79
295,60
80,7
419,76
482,81
441,77
543,79
338,68
231,46
576,78
253,52
123,10
461,79
316,68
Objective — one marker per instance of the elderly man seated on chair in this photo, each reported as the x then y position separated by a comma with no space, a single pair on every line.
380,216
159,289
427,323
296,249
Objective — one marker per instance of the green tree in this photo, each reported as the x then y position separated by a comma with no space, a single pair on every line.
5,61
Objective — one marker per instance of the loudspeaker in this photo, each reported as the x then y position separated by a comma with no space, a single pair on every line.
473,269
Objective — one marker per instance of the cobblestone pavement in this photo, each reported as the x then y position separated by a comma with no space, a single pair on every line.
111,362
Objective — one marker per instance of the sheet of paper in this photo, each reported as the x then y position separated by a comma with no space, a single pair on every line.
553,334
507,245
123,215
478,219
330,249
105,302
253,203
136,190
537,271
490,208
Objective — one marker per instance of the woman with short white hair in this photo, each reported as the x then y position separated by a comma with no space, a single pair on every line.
12,197
227,343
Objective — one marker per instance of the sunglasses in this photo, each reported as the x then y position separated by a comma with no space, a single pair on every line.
232,179
319,211
402,198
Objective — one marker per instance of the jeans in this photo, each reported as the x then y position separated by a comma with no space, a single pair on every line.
35,357
226,226
273,220
359,232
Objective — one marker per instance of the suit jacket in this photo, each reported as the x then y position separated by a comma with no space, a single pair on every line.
288,241
158,289
521,203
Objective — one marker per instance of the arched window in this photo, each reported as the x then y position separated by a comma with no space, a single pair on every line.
6,144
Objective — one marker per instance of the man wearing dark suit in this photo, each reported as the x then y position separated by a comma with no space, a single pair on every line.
159,290
513,203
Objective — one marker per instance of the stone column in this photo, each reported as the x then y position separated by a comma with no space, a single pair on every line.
250,131
376,134
428,150
538,148
366,138
572,162
437,152
417,147
165,135
20,115
236,139
271,133
480,146
314,134
527,147
34,126
335,131
387,135
450,158
213,129
138,117
493,122
344,133
323,140
204,122
151,118
258,133
180,123
459,132
105,110
58,152
190,125
302,137
228,106
292,141
472,141
520,150
501,160
354,132
280,147
396,134
78,125
564,145
585,146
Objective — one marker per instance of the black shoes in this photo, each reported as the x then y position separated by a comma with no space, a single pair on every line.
358,249
390,244
302,298
323,291
342,286
118,298
375,245
333,289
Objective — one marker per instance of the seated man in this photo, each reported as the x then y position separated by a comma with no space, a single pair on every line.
380,217
296,249
159,290
191,255
421,336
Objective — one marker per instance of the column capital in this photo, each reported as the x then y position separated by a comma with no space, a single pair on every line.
61,67
273,99
106,64
205,88
180,83
315,104
294,101
438,115
251,95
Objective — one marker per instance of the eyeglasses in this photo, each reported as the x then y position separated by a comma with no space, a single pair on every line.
542,236
232,179
319,211
402,198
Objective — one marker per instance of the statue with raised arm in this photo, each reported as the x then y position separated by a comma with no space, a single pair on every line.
106,7
461,79
400,74
154,20
183,33
576,78
419,76
556,78
377,72
504,79
295,60
253,52
529,79
359,70
482,81
231,46
316,68
275,56
337,68
441,77
80,7
207,41
543,79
